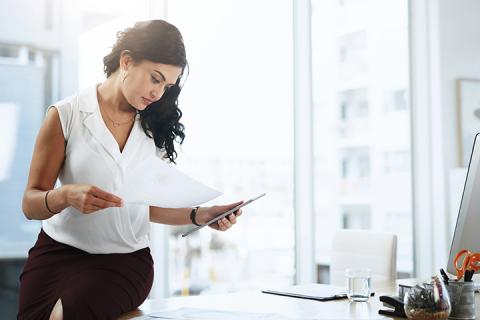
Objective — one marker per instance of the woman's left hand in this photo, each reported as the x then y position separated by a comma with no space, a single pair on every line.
205,214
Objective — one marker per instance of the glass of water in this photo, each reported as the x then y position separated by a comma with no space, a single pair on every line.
359,285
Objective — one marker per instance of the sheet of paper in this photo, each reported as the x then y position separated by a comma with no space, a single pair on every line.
210,314
156,183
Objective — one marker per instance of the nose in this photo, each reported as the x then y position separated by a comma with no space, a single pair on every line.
153,95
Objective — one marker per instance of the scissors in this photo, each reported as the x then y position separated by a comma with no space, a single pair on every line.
471,261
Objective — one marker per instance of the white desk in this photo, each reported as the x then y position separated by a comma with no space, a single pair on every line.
258,302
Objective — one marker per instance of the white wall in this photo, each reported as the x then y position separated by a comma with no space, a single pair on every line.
459,45
459,40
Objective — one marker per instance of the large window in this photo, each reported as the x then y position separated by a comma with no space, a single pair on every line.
361,122
237,106
27,82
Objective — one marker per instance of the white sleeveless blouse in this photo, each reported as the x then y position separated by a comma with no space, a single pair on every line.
92,156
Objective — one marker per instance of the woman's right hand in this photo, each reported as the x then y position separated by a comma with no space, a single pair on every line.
88,198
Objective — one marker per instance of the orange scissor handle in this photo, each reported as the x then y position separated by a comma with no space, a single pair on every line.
464,265
471,261
474,263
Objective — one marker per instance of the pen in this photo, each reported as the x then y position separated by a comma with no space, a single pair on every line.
444,276
468,275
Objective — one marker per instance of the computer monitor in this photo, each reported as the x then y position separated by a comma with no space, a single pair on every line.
467,229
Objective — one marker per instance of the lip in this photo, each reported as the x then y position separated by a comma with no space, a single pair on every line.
148,101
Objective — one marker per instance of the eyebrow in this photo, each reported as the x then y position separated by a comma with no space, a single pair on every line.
164,79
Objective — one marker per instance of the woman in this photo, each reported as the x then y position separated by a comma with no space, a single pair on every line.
91,259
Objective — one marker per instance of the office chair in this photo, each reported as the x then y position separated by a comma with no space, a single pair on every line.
363,249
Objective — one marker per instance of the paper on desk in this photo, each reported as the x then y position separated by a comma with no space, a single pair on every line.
209,314
154,182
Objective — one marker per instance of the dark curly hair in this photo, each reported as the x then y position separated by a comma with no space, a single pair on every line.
161,42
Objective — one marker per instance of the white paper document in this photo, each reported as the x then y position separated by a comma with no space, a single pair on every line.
156,183
210,314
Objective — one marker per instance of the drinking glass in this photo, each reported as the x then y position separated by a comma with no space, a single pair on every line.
359,285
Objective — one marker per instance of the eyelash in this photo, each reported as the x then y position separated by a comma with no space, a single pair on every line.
155,80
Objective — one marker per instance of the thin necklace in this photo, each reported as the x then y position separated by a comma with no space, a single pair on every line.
118,124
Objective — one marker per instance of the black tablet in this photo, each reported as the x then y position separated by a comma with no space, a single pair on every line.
222,215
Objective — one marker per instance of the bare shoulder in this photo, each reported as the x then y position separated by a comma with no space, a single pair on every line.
48,153
52,127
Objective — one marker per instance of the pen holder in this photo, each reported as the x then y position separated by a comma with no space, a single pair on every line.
462,298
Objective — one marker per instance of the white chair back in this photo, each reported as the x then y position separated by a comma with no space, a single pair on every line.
363,249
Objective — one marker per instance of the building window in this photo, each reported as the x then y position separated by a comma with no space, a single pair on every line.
396,100
356,217
352,55
9,51
353,104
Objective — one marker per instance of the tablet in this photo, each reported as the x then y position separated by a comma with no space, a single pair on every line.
223,215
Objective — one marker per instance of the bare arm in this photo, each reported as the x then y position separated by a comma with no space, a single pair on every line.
47,160
170,216
182,216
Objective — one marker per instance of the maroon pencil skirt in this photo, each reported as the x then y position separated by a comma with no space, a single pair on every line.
90,286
